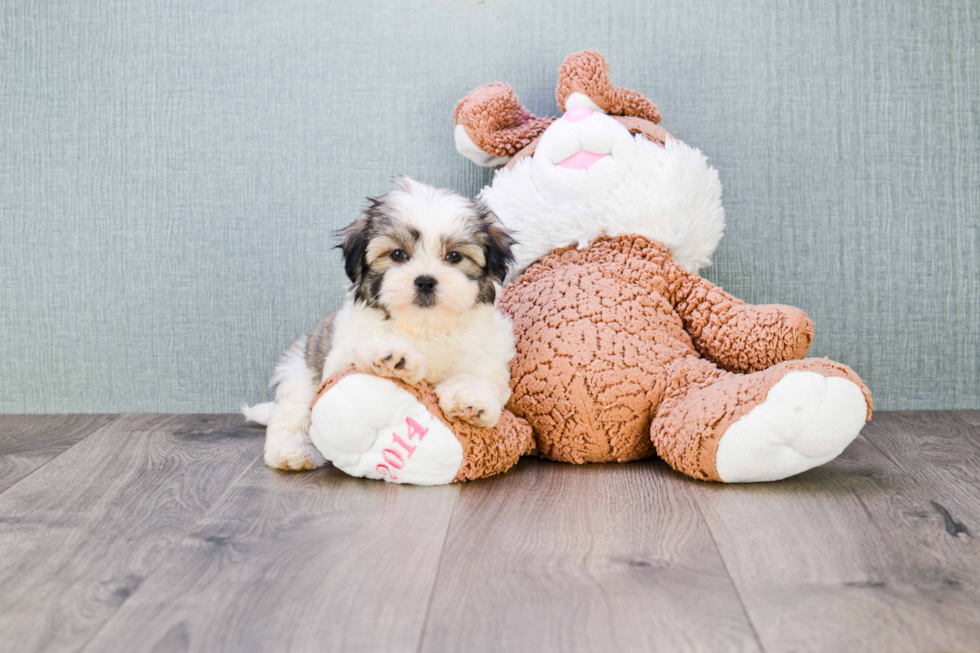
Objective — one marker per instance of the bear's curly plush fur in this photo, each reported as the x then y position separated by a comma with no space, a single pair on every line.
617,347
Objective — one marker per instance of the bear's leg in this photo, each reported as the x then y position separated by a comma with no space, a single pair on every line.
768,425
381,428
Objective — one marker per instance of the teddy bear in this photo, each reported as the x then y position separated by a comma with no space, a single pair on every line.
623,350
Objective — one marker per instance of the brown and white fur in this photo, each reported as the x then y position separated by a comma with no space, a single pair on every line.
424,266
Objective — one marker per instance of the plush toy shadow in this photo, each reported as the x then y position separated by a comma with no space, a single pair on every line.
623,351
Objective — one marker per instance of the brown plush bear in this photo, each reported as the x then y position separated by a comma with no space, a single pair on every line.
623,351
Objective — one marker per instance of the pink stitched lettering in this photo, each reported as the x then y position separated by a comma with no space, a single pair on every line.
410,448
393,458
414,428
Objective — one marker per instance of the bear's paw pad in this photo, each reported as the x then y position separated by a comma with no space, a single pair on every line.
367,426
806,420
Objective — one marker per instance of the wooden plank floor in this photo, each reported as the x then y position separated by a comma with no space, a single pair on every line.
167,533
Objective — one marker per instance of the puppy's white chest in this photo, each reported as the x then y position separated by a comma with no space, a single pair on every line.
440,357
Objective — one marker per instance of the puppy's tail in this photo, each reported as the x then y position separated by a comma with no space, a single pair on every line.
259,413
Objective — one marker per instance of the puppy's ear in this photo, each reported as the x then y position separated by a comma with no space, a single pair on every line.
356,236
497,242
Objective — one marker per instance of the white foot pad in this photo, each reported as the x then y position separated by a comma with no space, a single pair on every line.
368,426
806,420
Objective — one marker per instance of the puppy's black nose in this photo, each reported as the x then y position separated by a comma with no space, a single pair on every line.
425,285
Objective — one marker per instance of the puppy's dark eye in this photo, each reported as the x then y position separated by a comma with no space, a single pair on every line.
398,255
454,257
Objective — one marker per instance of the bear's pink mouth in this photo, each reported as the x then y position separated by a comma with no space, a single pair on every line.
581,160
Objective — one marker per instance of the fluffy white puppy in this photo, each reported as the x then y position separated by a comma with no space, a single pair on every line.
424,265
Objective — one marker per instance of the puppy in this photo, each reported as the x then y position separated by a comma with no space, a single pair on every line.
424,266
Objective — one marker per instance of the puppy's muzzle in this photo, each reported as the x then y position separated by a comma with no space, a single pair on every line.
425,291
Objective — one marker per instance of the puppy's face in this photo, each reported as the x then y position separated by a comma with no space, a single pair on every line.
425,255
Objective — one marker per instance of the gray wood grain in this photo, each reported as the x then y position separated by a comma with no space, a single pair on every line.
853,555
29,441
81,533
971,417
167,533
940,450
315,561
555,557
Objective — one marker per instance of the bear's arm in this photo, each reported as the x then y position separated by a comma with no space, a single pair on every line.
734,335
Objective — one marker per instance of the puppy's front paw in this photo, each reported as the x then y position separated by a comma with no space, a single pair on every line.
293,452
469,399
393,357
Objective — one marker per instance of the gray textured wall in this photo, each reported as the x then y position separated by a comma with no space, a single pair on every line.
171,172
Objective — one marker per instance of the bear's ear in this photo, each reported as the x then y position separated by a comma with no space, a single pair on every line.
492,126
586,73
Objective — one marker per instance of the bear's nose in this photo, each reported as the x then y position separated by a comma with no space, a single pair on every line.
577,113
